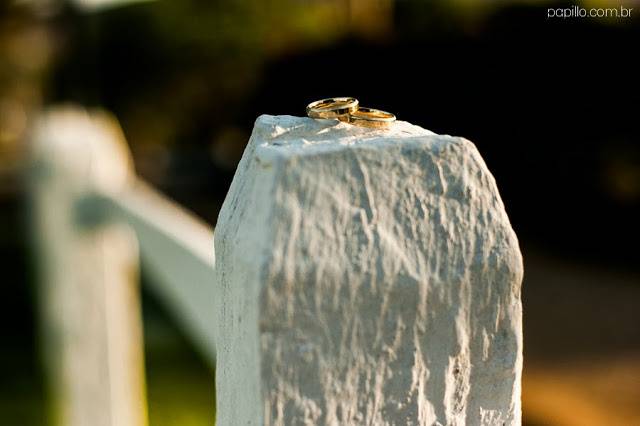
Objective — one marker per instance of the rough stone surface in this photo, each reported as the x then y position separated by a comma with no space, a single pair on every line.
366,277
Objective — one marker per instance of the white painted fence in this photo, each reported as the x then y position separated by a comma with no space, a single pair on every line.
363,277
90,214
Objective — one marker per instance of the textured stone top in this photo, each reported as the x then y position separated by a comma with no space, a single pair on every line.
302,135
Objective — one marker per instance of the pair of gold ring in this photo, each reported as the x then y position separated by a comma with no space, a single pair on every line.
349,110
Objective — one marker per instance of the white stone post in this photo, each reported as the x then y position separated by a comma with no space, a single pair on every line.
89,298
365,277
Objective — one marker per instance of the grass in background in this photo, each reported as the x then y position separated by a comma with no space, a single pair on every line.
180,385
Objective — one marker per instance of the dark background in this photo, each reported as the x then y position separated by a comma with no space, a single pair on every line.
551,104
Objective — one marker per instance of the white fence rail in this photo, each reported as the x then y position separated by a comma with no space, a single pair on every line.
363,277
178,248
84,192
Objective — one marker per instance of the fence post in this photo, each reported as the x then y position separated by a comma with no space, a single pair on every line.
89,298
365,277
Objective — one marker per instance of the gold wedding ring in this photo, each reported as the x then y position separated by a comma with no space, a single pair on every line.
349,110
339,108
371,117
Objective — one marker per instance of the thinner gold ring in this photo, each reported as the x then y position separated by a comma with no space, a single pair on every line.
371,117
339,108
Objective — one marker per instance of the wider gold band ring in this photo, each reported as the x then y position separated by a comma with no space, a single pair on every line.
371,117
339,108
